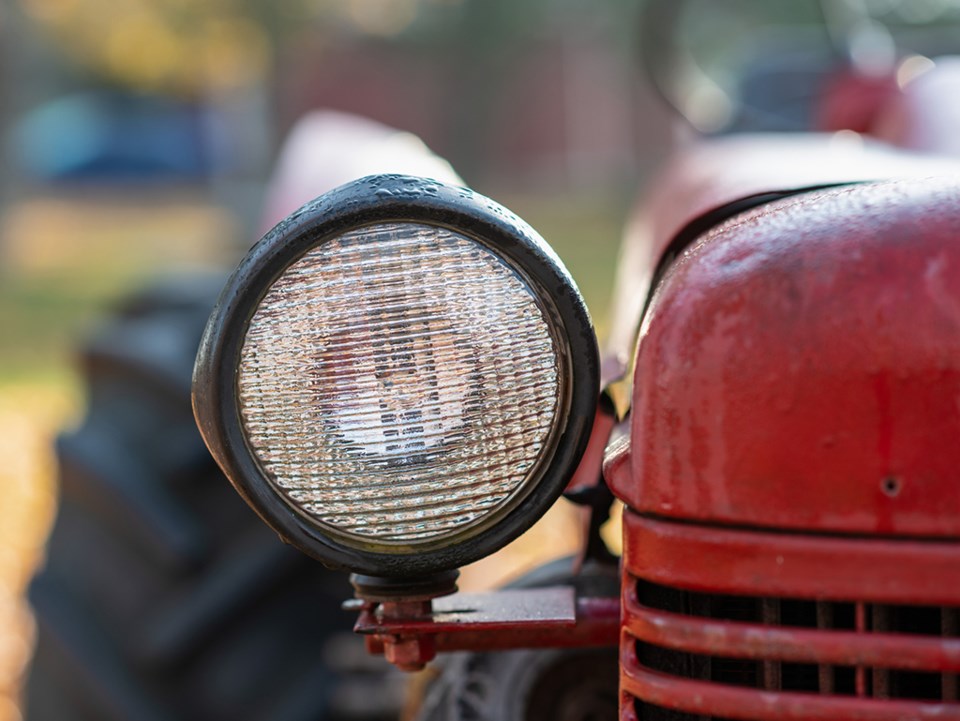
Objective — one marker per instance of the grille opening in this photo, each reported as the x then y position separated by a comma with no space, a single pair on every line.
909,619
745,673
652,713
842,678
731,671
910,684
793,612
748,673
798,613
774,675
800,677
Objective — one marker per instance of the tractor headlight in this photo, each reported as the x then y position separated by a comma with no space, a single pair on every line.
400,378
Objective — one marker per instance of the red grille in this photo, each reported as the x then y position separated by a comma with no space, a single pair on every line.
692,653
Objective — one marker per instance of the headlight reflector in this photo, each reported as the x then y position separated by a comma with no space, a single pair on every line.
399,378
399,383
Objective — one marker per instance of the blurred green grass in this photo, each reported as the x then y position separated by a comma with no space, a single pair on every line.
43,316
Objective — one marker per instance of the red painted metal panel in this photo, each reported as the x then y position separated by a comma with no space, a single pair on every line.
499,620
836,568
598,621
799,368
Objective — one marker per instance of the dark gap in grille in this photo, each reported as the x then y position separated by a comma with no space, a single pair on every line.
922,620
844,680
745,673
793,612
910,684
913,619
798,613
675,663
653,713
929,621
800,677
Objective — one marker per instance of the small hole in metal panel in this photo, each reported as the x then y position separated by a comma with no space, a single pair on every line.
891,486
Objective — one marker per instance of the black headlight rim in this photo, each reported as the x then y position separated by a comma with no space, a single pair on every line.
374,201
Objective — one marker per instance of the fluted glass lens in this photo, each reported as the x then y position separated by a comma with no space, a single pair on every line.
399,383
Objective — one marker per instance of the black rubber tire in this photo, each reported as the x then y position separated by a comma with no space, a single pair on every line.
163,595
531,685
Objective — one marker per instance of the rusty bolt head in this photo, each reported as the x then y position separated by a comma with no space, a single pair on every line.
409,653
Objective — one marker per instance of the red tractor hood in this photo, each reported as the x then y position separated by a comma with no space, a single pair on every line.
798,365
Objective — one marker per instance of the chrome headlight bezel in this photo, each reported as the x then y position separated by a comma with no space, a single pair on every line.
373,201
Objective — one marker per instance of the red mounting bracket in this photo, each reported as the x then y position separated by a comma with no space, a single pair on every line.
410,633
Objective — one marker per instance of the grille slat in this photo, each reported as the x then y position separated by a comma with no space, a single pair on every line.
794,649
718,637
753,625
687,700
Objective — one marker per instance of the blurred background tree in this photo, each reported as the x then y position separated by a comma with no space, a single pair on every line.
461,63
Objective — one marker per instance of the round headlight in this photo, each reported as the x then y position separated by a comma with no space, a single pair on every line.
400,378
